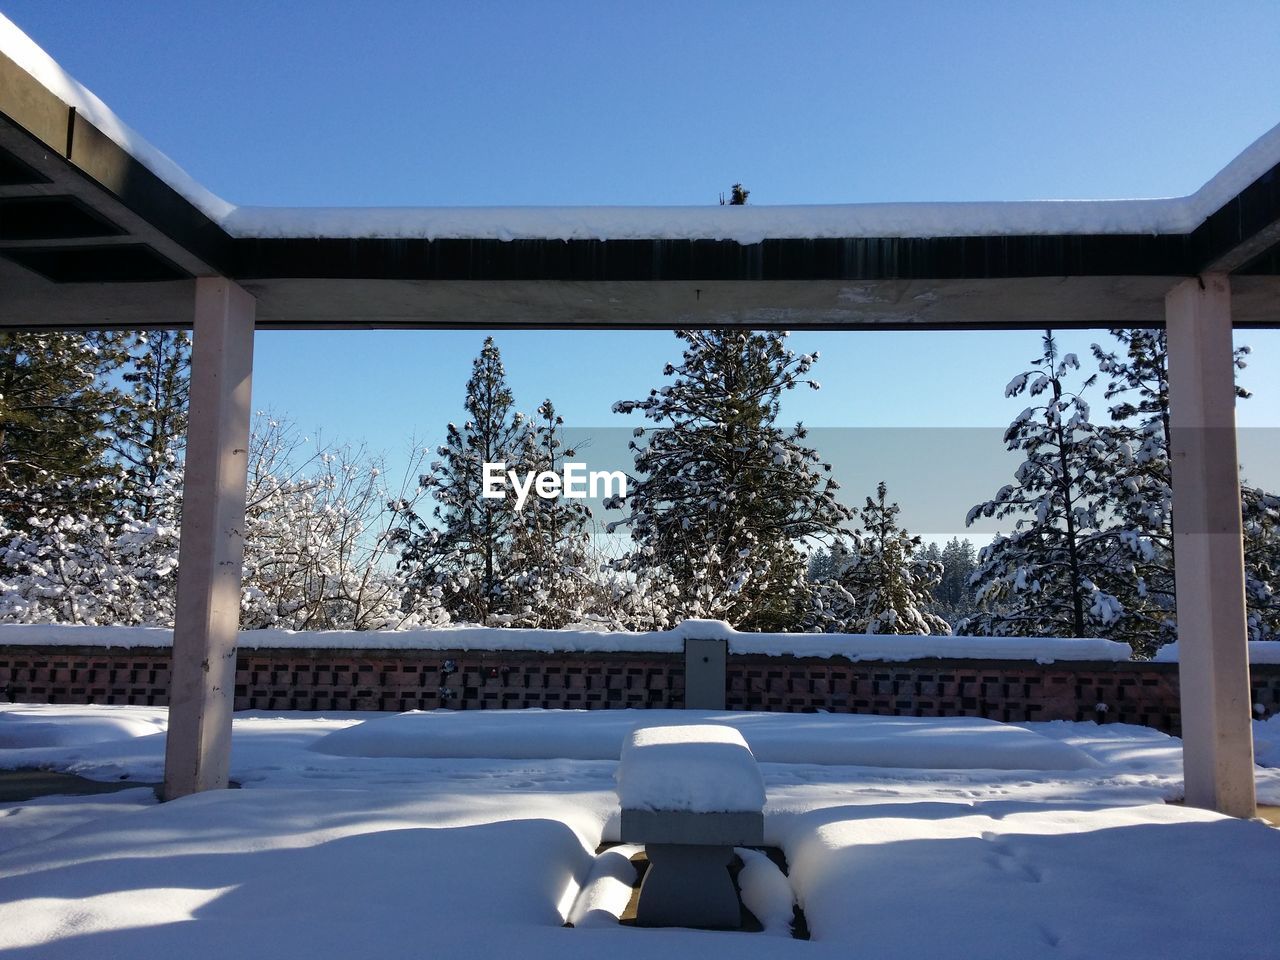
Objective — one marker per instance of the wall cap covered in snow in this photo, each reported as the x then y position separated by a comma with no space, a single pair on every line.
856,647
1260,651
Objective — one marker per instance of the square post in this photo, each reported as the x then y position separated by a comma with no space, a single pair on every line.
1217,735
211,553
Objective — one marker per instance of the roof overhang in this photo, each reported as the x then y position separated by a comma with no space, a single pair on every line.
95,231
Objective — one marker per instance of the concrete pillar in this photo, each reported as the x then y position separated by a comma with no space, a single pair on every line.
202,689
704,673
1217,736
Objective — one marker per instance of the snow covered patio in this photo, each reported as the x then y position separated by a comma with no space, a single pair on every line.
108,231
474,835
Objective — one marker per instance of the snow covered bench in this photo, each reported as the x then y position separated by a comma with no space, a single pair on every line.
690,794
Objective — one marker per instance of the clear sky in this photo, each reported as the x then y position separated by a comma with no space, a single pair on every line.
486,103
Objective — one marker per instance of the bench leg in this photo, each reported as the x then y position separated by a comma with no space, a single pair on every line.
688,886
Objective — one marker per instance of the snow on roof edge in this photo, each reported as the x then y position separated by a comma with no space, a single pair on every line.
1173,215
28,55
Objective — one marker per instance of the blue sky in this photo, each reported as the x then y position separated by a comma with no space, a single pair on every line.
413,103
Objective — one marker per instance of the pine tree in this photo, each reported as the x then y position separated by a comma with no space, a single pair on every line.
822,566
54,402
464,551
1049,577
1262,562
148,431
552,582
1141,490
954,599
886,582
723,496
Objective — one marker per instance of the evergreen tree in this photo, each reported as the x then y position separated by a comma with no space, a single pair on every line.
1262,562
823,566
1141,490
1050,576
54,401
465,551
954,599
723,496
551,583
886,582
148,432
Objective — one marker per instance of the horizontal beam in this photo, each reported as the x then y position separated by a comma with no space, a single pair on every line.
30,301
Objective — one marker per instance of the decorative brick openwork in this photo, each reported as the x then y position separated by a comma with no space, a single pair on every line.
1012,690
397,680
400,680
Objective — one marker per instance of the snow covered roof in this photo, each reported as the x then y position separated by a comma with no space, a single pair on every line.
1172,215
114,209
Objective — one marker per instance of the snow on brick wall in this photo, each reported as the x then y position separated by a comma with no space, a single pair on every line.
838,645
399,680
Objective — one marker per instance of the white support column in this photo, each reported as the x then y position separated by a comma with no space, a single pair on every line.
202,689
1217,736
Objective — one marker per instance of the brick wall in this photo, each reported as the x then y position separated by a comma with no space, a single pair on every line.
396,680
280,679
1142,693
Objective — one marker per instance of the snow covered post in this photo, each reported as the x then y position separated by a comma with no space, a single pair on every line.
207,618
706,650
690,794
1217,744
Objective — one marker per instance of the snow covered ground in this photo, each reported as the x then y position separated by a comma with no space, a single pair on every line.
330,853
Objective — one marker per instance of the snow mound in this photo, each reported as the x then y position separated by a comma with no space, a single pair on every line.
1266,742
26,726
298,876
701,768
956,743
45,817
1005,881
766,892
607,890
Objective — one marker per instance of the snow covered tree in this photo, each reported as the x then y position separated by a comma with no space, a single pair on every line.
320,538
953,596
723,496
1262,562
65,565
823,565
150,426
54,401
1049,577
552,581
1141,492
883,585
462,549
